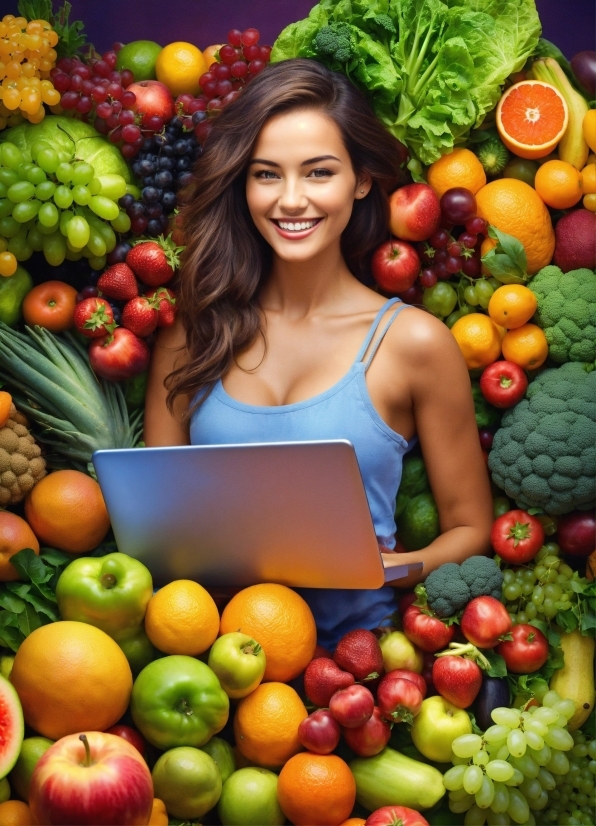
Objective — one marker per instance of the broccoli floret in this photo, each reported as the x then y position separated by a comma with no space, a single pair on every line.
567,312
483,576
336,41
446,591
386,28
544,454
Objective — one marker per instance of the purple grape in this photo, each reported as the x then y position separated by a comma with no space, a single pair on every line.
458,205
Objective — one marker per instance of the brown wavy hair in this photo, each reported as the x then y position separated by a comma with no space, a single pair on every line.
227,260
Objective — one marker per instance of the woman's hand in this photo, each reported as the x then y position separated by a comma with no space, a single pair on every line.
163,428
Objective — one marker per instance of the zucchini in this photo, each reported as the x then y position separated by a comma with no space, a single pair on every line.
575,680
392,779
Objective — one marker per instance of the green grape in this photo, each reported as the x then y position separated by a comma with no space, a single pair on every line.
461,806
36,175
552,591
551,548
538,803
497,818
567,709
481,758
107,233
515,779
64,173
78,232
529,575
112,186
494,734
522,619
541,571
47,230
19,246
546,715
466,745
565,570
63,197
96,244
73,256
473,778
48,160
499,770
441,299
549,609
512,592
21,191
122,222
8,226
82,173
531,611
97,262
518,809
458,794
45,190
48,215
558,763
108,210
94,186
471,296
23,168
533,740
81,195
37,146
592,749
508,576
65,219
3,190
475,816
527,588
484,796
54,249
530,787
35,239
453,779
501,798
537,726
10,155
6,207
8,177
558,738
26,211
484,292
509,717
450,321
538,595
503,753
526,765
516,743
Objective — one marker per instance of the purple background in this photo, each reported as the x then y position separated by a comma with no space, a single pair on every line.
568,23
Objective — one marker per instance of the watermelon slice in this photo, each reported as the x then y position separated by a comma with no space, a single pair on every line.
12,726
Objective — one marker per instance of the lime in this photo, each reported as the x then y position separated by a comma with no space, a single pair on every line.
250,796
139,56
20,776
188,781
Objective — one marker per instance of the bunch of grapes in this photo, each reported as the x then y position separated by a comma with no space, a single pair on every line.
573,802
540,589
27,56
507,773
58,206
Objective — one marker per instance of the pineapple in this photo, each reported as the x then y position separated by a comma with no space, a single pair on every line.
21,463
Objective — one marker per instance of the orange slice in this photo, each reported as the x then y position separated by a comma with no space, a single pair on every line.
532,117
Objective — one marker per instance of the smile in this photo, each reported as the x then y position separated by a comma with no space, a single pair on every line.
295,229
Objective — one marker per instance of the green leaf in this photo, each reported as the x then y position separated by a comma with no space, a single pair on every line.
588,624
35,9
554,662
567,620
42,606
550,633
497,664
30,566
28,621
51,556
11,603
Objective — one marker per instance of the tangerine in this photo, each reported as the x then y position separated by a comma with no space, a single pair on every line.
70,677
266,725
460,167
281,621
526,346
532,117
66,510
316,790
182,618
478,338
512,305
515,208
559,184
15,534
180,65
51,305
15,813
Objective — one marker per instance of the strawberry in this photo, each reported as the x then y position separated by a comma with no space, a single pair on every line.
118,282
167,305
359,653
140,315
93,317
323,678
154,262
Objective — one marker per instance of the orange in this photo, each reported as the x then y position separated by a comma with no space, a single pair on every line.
526,346
51,305
460,167
354,821
589,202
515,208
512,305
182,618
66,510
589,128
71,677
180,65
316,790
281,621
15,813
532,117
478,339
15,534
588,174
5,406
559,184
266,724
159,815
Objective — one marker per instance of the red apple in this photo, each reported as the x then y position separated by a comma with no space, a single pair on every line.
352,706
320,732
415,212
131,735
153,98
91,778
119,355
395,266
371,737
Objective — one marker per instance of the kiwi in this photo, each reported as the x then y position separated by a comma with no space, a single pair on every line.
493,156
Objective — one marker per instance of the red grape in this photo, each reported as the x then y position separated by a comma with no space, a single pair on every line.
61,82
102,68
214,105
127,78
115,77
84,105
69,100
453,264
129,150
115,91
130,133
428,278
221,71
252,52
468,239
110,58
104,110
101,126
239,69
230,98
256,66
84,71
128,99
235,37
486,438
65,64
210,89
227,55
441,270
115,135
99,94
198,105
249,37
224,87
87,87
76,83
112,121
117,106
440,256
139,224
458,205
454,249
125,117
208,77
266,53
471,267
439,239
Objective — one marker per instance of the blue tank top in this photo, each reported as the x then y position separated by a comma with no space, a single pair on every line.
344,411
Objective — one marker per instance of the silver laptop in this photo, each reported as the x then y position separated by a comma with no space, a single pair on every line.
234,515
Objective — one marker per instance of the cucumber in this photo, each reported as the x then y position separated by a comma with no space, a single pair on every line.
392,779
575,681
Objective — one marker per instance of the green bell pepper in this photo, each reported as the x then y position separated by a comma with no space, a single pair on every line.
13,290
110,592
178,701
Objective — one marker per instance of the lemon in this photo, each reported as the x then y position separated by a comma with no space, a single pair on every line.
180,65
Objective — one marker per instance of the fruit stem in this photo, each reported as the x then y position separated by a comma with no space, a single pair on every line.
85,742
459,649
251,647
184,708
108,581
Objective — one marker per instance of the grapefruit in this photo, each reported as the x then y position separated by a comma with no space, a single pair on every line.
532,117
12,727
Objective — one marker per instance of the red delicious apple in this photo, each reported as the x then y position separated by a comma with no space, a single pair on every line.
119,355
395,266
91,778
320,732
131,735
371,737
415,212
425,631
352,706
153,98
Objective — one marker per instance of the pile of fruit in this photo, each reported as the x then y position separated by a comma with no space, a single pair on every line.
474,704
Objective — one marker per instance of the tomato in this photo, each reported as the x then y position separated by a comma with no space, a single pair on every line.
484,621
119,356
396,816
426,631
526,652
51,305
399,700
517,537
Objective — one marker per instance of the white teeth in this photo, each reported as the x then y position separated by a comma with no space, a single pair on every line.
291,226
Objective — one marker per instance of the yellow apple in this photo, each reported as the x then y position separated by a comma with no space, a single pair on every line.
436,726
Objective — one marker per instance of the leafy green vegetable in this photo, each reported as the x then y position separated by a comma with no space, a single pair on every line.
71,37
432,68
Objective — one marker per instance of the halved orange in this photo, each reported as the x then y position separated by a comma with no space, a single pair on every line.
532,117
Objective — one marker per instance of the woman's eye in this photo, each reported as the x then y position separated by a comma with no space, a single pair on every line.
266,174
321,173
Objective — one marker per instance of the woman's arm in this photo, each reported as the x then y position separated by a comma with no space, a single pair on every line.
446,427
163,428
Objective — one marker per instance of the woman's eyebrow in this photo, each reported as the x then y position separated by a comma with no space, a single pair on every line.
304,163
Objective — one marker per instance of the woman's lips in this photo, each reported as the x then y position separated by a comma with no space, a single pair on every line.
295,234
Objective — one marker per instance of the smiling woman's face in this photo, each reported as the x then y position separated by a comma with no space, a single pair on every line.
301,185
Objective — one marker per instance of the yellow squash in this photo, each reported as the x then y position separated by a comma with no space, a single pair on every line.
576,679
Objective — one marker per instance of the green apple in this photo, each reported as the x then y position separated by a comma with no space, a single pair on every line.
250,796
239,662
6,665
221,751
399,652
188,781
436,726
31,751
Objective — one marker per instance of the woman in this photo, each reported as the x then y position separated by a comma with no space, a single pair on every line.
279,339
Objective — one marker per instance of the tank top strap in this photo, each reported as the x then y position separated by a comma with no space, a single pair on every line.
373,328
392,318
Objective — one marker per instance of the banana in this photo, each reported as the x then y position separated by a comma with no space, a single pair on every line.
576,679
572,147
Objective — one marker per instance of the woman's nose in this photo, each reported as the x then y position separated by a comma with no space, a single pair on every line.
292,197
